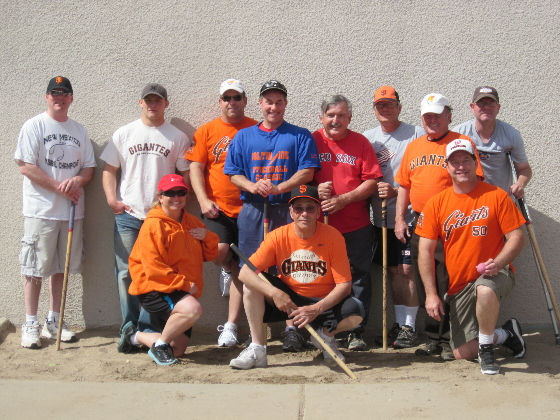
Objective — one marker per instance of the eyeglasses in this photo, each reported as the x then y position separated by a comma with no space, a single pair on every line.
227,98
307,209
174,193
59,93
458,163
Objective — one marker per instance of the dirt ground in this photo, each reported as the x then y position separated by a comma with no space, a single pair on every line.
94,358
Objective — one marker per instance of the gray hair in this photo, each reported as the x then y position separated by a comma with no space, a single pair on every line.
333,100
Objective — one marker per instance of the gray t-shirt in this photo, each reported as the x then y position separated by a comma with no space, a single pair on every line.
389,149
493,159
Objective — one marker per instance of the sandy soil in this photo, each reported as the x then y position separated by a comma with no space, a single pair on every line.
95,358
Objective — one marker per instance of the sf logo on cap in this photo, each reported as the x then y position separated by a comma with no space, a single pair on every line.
59,80
383,92
302,188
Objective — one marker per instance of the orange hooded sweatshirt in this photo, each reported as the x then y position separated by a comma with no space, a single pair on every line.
166,257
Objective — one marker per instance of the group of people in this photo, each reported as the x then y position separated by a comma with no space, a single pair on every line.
298,204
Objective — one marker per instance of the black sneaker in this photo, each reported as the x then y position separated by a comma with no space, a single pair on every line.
407,338
356,342
125,346
488,365
515,341
391,336
430,348
162,355
293,341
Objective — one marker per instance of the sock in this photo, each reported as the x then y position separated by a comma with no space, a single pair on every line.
31,318
400,315
134,340
485,339
159,342
230,326
290,328
411,312
52,316
501,335
255,345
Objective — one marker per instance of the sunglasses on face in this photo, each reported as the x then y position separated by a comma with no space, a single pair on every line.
227,98
59,93
174,193
307,209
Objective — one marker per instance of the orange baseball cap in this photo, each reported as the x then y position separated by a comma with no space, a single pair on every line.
386,93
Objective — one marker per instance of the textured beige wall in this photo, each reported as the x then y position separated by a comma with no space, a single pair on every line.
109,50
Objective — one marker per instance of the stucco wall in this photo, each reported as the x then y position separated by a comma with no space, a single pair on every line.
109,50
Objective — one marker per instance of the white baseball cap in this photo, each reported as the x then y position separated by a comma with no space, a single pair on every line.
232,84
459,145
433,102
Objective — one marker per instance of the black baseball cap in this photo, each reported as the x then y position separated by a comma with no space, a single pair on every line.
154,89
305,191
60,83
274,85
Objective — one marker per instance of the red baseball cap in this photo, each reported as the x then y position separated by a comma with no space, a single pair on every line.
170,181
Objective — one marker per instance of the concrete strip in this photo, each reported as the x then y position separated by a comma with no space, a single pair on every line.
93,400
420,399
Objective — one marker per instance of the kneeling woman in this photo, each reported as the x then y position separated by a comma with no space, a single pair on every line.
166,270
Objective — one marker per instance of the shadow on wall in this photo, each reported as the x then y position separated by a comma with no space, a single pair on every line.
100,303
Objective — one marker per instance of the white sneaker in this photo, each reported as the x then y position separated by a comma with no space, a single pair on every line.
225,282
30,335
50,330
329,341
253,356
228,335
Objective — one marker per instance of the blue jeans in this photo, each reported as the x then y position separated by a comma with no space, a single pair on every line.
127,228
360,247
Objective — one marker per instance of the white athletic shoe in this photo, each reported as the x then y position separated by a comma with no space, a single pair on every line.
225,282
253,356
228,335
329,341
50,330
30,335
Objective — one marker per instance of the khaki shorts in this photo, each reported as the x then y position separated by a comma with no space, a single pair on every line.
462,313
43,247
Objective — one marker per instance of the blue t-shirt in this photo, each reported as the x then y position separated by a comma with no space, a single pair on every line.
276,155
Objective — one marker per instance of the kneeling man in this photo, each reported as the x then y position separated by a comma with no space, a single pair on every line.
313,286
471,218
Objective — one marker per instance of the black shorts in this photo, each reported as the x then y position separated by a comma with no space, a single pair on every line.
329,319
159,305
223,226
397,252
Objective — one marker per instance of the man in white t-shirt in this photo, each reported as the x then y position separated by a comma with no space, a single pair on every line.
145,150
55,157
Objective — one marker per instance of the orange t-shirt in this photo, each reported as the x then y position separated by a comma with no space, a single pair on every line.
310,267
423,169
211,142
471,227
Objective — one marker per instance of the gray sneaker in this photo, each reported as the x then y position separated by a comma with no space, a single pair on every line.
253,356
488,365
356,342
329,341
